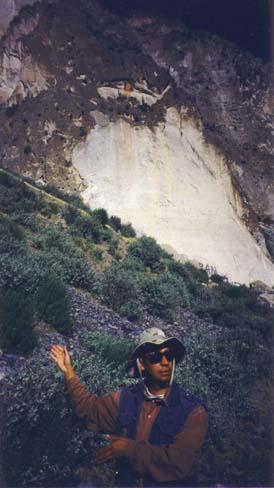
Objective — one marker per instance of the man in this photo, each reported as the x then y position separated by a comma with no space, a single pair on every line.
156,428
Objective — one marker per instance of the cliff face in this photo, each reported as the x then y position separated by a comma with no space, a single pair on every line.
20,75
169,183
9,9
169,128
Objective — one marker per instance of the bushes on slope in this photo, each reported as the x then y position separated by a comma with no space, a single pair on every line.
163,293
46,442
223,371
147,251
16,322
52,304
122,288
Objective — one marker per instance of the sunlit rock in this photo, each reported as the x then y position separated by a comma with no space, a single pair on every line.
173,186
20,75
139,91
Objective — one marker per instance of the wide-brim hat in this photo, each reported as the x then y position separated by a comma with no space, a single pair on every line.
153,337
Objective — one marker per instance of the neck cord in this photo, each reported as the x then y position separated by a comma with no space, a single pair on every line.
149,395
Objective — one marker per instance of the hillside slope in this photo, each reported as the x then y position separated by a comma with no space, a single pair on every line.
178,123
73,276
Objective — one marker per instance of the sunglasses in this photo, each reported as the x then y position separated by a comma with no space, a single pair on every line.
155,357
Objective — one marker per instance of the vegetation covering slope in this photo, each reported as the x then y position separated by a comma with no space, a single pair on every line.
50,242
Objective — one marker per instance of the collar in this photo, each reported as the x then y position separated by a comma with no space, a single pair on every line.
157,399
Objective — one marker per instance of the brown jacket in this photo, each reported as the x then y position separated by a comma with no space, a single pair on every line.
163,463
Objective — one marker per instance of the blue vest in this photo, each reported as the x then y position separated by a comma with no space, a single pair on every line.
168,423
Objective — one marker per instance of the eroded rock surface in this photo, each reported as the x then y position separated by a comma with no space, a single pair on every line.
174,186
9,9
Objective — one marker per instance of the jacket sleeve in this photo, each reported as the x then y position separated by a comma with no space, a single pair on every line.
175,461
100,413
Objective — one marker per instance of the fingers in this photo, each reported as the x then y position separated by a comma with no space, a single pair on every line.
56,348
115,449
113,437
105,454
56,353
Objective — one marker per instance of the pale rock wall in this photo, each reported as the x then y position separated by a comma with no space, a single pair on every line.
20,75
148,96
173,186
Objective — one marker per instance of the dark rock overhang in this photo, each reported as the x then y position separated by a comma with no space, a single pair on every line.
245,22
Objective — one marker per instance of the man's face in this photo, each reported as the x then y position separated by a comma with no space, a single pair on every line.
157,366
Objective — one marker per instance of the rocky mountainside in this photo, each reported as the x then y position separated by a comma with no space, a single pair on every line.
8,10
171,129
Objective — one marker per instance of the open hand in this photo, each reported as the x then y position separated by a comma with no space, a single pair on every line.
61,357
117,448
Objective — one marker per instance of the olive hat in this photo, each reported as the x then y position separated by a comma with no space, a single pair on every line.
150,338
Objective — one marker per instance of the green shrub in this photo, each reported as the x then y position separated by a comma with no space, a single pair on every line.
31,221
21,272
46,441
52,304
115,223
73,270
115,351
163,294
146,250
54,237
10,245
113,246
53,190
106,234
234,307
127,230
87,226
122,288
223,371
98,254
26,271
76,201
198,273
130,291
216,278
233,291
12,238
6,179
192,276
16,323
70,215
49,208
18,197
7,226
101,215
72,199
209,302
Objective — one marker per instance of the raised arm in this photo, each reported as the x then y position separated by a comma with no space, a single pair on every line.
100,413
